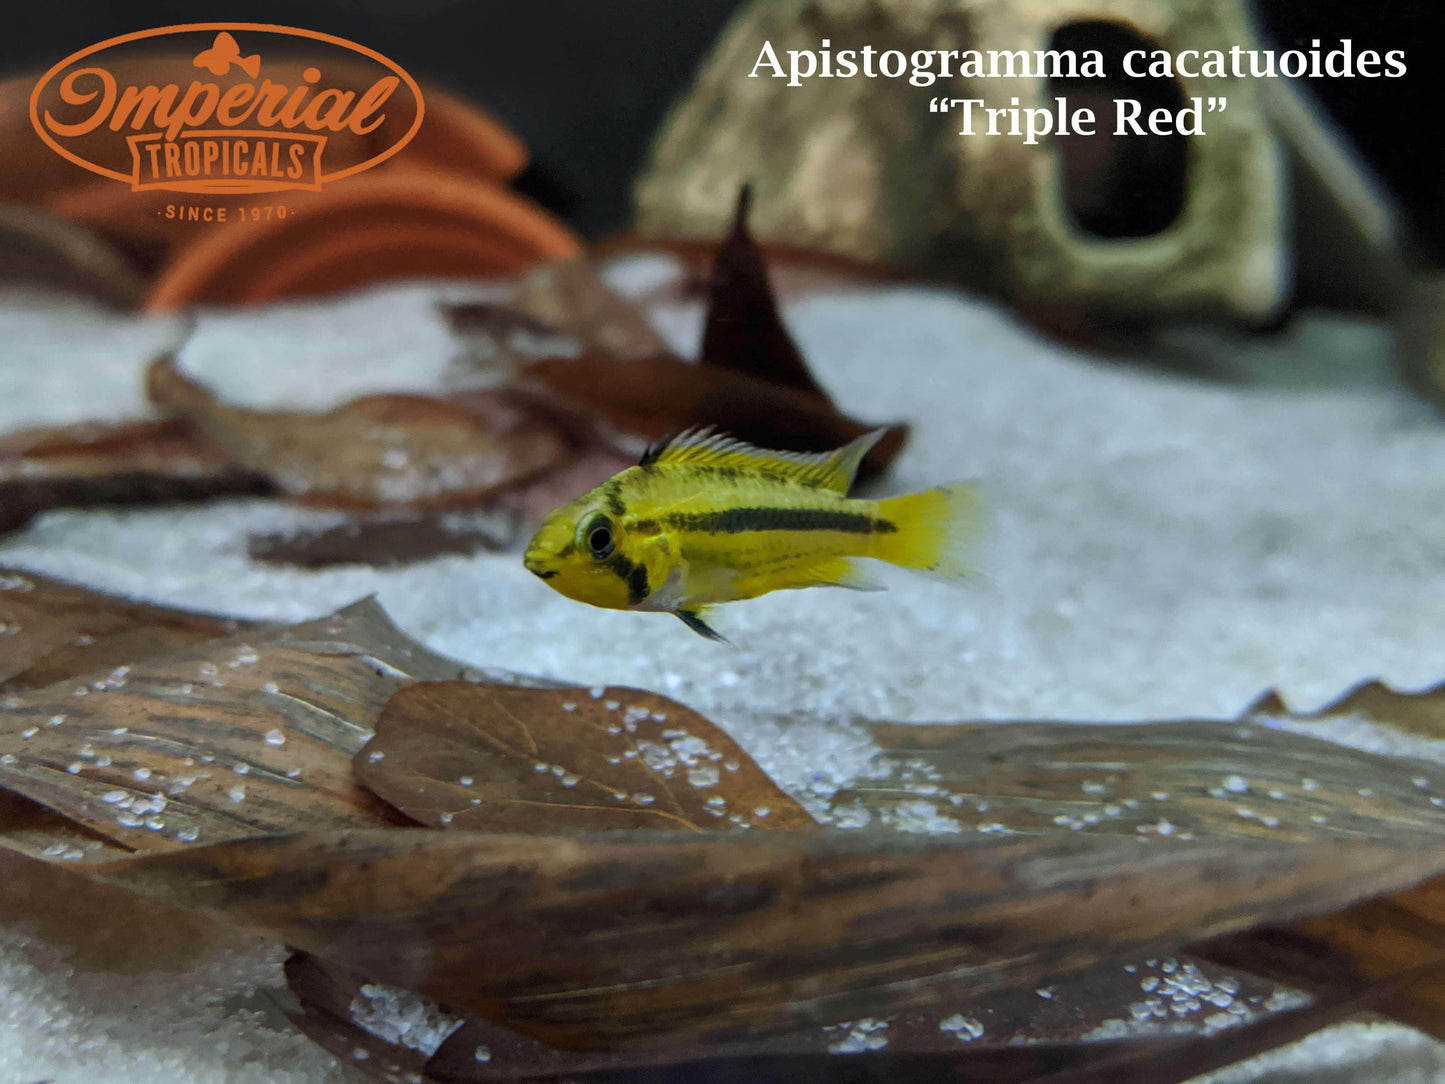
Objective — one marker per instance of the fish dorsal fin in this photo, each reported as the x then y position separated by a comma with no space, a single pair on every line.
823,470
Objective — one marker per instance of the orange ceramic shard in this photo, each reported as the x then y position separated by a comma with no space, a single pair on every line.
393,225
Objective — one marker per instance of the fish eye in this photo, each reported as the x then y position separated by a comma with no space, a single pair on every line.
597,536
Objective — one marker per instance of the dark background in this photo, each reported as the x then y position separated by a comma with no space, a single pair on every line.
585,82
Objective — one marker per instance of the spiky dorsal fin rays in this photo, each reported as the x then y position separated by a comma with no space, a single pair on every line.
823,470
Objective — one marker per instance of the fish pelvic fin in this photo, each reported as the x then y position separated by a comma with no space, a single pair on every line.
823,470
938,531
693,620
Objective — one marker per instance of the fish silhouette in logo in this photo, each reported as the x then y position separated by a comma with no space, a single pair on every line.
223,53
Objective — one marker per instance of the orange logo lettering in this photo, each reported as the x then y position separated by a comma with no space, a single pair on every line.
252,118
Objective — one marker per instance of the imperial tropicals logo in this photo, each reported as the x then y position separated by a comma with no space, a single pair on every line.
226,108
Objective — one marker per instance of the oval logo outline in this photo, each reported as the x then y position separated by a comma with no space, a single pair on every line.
267,28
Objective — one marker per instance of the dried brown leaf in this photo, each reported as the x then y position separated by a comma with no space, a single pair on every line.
652,397
1138,1061
54,630
588,468
28,828
560,307
336,1006
499,340
1188,779
639,938
244,736
440,763
751,381
99,927
407,450
39,249
745,331
1421,714
498,758
1229,780
1396,944
597,451
345,1013
89,464
982,1033
568,296
386,542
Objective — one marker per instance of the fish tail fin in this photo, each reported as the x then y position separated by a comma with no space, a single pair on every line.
938,531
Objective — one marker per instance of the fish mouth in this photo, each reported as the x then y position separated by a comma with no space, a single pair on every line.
536,568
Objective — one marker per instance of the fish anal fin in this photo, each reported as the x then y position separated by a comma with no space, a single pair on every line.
693,620
823,470
845,572
833,572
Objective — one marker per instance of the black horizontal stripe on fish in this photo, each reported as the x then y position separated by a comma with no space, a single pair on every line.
632,574
739,520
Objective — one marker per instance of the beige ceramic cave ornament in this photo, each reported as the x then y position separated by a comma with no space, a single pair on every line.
862,167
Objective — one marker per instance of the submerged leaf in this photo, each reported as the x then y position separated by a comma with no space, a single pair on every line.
50,630
90,464
408,450
652,397
386,542
751,381
559,308
1395,946
1419,714
1230,780
589,467
337,1006
569,296
639,938
1087,1019
1203,779
228,739
1144,1060
397,1031
745,332
344,1013
40,249
498,758
99,927
28,828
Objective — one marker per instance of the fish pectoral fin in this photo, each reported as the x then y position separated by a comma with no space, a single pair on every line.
693,620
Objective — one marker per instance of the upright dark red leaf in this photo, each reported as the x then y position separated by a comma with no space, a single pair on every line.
745,331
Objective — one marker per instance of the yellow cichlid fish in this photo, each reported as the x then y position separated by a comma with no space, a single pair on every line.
705,519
